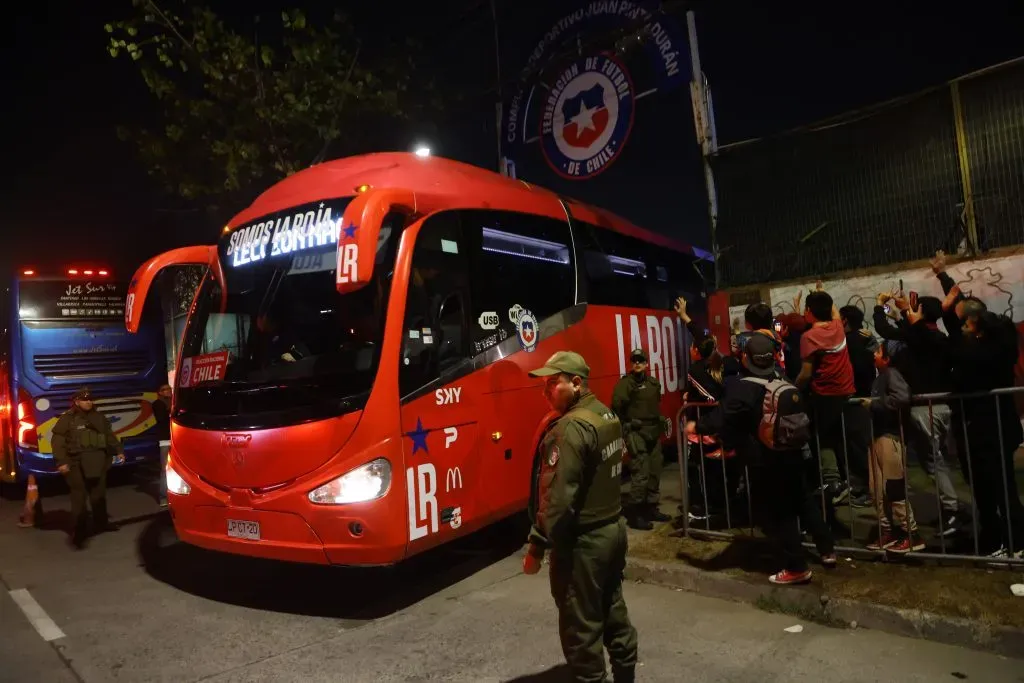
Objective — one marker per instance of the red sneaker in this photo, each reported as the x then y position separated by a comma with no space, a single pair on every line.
885,541
786,577
905,545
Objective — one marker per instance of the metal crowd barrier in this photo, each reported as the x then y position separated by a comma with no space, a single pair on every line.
954,401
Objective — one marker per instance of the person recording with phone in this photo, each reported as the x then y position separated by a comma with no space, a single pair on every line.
928,370
759,319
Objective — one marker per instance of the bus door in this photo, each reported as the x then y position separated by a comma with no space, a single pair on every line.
523,271
440,394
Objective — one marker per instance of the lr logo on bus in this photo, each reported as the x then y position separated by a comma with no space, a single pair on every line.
421,488
348,257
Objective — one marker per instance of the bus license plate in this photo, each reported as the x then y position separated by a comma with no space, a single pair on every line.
238,528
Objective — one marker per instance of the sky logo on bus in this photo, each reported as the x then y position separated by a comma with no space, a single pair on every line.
526,327
587,117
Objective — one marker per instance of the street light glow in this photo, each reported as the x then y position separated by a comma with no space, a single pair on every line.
422,151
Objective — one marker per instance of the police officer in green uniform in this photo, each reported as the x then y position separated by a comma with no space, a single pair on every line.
637,400
578,519
84,446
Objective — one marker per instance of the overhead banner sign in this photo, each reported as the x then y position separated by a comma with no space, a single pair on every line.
579,104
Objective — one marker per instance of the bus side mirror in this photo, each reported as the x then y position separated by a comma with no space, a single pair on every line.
146,275
359,232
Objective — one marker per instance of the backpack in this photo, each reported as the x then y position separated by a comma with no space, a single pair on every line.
784,425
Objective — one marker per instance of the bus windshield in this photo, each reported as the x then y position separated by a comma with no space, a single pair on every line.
284,346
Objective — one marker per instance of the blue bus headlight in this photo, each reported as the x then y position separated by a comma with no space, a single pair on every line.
364,483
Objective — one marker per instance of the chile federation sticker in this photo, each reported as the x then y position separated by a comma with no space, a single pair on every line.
587,117
526,329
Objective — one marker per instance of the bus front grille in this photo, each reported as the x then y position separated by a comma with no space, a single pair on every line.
85,366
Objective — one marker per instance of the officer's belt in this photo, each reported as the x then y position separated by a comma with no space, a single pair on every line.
593,526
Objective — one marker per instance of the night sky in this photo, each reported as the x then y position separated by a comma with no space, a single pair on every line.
73,192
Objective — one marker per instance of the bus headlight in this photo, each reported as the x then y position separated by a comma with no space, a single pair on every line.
368,482
175,484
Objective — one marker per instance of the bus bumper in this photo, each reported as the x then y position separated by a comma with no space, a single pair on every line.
290,528
44,465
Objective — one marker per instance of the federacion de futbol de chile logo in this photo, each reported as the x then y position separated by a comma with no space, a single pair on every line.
587,117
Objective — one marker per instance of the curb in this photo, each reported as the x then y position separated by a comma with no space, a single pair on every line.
811,605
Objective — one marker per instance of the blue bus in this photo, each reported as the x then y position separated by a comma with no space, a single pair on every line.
62,331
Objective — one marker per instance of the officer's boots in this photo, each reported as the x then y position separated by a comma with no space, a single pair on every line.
101,522
623,675
656,515
636,518
79,533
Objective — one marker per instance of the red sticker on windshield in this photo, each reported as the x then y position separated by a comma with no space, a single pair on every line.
206,368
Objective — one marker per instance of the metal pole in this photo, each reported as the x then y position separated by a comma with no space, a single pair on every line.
497,79
702,114
683,455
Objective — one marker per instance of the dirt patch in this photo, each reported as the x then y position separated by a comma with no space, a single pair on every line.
978,594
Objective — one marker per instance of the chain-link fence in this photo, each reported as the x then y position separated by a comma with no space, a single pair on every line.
939,169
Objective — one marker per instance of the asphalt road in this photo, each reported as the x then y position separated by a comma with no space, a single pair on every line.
139,606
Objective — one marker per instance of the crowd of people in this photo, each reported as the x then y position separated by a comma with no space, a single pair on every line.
810,407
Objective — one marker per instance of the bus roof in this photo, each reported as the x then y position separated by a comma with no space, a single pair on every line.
438,176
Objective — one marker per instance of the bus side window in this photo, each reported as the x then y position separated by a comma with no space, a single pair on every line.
435,331
623,271
519,260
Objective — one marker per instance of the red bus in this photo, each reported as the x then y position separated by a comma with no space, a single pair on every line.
351,387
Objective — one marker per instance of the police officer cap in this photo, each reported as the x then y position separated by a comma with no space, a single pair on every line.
638,353
567,362
83,394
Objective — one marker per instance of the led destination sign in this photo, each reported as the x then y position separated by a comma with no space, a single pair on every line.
288,232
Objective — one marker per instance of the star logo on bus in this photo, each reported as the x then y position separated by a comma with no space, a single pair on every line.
349,232
419,437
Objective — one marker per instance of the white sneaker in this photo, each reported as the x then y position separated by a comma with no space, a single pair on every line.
1004,554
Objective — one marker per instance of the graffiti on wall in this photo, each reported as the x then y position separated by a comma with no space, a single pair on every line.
999,282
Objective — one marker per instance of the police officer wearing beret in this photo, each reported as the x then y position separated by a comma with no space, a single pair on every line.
636,399
578,520
84,446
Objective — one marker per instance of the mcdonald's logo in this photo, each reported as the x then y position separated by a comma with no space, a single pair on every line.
453,480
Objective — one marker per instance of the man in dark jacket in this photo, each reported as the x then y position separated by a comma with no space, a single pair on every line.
779,486
984,360
162,414
862,346
927,366
84,447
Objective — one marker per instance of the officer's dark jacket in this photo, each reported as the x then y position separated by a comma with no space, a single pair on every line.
637,399
84,437
580,479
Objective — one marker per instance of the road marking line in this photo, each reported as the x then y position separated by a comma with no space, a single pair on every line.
39,619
